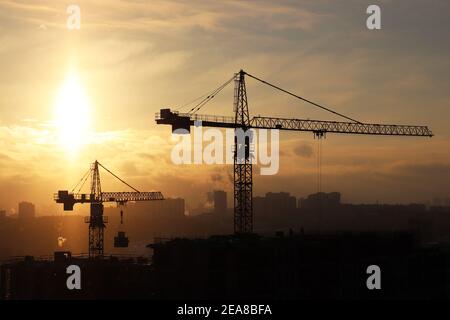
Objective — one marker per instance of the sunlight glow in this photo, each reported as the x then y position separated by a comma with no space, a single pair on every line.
72,114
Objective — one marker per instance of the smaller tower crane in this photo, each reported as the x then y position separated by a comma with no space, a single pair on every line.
96,198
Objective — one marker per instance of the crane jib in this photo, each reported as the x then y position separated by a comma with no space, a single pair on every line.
185,121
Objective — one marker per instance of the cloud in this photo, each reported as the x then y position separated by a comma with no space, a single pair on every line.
304,150
216,177
422,172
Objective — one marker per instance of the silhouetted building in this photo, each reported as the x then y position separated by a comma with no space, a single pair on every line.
298,266
321,200
437,202
447,202
109,278
26,210
168,208
274,203
287,266
220,202
174,205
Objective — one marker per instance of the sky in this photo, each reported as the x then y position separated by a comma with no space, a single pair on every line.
131,58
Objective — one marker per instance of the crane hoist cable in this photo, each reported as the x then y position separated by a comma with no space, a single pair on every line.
301,98
319,182
319,165
121,206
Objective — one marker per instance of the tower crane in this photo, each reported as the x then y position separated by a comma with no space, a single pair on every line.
96,198
243,183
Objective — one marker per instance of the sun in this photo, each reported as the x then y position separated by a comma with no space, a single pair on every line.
72,114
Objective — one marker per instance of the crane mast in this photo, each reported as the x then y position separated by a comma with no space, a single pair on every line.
96,220
243,211
243,178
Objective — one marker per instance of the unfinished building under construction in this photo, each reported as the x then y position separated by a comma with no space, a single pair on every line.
286,266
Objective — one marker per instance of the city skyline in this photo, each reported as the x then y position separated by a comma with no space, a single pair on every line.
219,202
